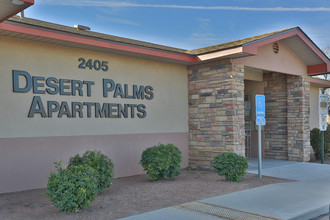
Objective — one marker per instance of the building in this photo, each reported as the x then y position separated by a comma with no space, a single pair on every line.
65,90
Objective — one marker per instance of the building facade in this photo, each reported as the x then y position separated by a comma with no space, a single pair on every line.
64,91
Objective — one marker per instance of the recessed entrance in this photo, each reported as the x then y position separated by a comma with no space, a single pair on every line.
253,85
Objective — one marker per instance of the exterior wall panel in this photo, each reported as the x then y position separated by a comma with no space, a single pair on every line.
285,61
168,81
30,145
27,162
314,114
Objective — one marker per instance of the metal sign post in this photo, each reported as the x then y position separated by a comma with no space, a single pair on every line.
323,112
322,147
259,153
323,127
260,120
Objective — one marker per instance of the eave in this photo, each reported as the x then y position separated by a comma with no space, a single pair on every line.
9,9
295,39
320,82
58,37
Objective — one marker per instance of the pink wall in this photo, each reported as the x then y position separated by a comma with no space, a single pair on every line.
27,162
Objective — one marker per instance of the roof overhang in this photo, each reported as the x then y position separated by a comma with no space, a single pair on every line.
63,38
320,82
9,8
295,39
228,53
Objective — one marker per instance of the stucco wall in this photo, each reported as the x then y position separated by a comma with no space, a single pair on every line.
285,61
31,144
254,87
168,81
314,115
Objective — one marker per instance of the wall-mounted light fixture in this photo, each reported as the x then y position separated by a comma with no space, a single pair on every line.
17,2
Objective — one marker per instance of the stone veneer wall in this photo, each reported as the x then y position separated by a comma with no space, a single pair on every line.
298,118
287,113
276,133
216,111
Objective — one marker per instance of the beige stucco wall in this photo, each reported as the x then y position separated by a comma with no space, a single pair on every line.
26,163
284,61
314,115
253,74
166,112
29,146
255,87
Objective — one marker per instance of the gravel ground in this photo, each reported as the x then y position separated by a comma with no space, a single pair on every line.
129,196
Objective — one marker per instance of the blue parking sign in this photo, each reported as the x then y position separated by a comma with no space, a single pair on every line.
260,106
260,121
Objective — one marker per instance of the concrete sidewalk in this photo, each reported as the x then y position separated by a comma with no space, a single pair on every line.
306,198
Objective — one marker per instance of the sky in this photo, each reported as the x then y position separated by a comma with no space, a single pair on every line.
189,24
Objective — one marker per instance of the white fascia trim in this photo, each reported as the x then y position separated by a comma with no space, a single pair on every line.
219,54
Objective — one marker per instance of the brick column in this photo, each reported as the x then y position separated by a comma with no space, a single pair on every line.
276,133
216,111
298,118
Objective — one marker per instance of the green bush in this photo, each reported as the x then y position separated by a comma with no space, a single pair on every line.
161,161
316,142
327,142
315,136
73,188
231,165
101,163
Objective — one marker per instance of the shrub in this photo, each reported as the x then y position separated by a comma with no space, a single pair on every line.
327,142
73,188
315,136
161,161
101,163
231,165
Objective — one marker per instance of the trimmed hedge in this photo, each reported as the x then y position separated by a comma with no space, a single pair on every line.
230,165
101,163
161,161
73,188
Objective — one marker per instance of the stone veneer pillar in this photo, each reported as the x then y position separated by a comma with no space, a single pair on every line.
298,118
287,134
216,111
276,134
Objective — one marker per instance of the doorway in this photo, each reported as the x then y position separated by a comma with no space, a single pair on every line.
251,89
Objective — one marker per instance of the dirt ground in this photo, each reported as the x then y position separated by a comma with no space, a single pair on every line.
325,161
129,196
